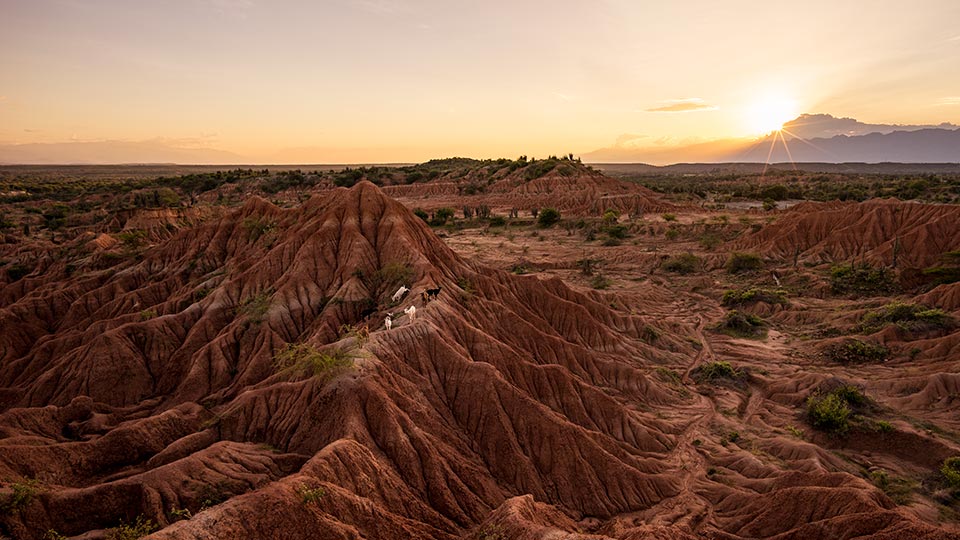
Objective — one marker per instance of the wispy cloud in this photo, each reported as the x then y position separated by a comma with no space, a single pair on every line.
380,7
954,38
684,105
563,97
630,140
949,101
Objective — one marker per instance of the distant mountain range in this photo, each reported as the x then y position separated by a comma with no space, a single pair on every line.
109,152
820,138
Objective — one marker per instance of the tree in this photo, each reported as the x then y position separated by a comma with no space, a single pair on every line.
548,216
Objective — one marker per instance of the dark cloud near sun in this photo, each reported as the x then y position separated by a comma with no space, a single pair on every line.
683,106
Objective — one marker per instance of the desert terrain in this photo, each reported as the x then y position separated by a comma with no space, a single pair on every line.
201,353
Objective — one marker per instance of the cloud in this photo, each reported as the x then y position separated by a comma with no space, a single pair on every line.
562,97
954,38
380,7
683,106
630,140
949,101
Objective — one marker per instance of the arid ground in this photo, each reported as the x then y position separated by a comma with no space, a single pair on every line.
652,355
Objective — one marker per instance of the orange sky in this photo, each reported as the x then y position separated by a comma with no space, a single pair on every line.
403,80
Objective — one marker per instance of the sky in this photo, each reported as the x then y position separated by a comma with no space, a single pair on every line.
298,81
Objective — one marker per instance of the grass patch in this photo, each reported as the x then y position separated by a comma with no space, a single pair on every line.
900,490
742,325
908,317
862,280
951,471
600,282
305,358
743,297
310,495
21,493
684,263
832,410
718,372
739,263
257,227
131,531
256,306
855,351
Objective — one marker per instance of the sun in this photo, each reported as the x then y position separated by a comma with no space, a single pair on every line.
767,114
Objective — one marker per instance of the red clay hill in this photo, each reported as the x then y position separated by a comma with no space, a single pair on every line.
165,388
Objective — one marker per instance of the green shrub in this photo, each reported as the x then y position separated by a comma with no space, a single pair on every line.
548,217
910,317
717,371
832,410
828,413
421,213
684,263
497,221
600,282
256,306
21,493
855,351
441,216
669,217
740,324
386,279
131,531
743,262
752,295
951,471
900,490
305,358
310,495
946,272
861,280
257,227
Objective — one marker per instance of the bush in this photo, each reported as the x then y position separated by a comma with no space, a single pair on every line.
861,280
717,371
951,471
497,221
828,413
753,295
256,306
548,217
303,357
855,351
421,213
832,410
669,217
740,324
310,495
600,282
685,263
21,494
743,262
910,317
131,531
441,216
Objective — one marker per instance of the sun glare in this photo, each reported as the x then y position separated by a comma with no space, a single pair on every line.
768,114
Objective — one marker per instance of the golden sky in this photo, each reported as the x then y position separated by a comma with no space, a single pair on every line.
405,80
